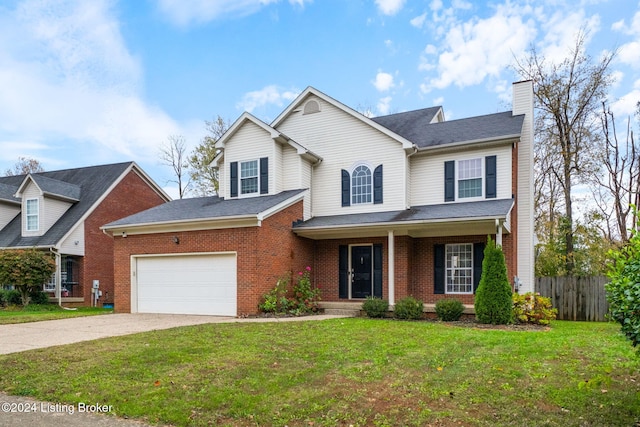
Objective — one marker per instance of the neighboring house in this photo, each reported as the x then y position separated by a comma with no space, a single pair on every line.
62,211
389,206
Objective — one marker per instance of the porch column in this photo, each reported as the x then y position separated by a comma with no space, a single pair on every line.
391,278
58,278
498,233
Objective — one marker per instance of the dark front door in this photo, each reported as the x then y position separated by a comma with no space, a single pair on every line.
361,271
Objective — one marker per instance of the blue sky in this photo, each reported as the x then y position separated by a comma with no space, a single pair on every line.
101,81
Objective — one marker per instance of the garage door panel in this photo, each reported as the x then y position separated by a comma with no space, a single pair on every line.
187,284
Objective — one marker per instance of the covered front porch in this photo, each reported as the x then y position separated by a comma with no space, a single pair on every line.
429,252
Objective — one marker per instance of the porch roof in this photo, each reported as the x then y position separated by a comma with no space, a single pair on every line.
451,219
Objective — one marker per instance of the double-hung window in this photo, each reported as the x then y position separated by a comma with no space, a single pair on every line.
249,177
33,214
459,268
470,178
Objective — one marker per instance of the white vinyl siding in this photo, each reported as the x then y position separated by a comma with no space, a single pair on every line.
73,244
7,214
427,174
250,142
344,141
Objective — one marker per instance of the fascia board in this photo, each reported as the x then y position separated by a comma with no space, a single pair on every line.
282,205
399,224
185,225
456,146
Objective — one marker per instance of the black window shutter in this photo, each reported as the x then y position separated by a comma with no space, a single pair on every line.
490,177
343,268
377,270
264,175
346,188
478,257
377,185
449,181
438,269
234,179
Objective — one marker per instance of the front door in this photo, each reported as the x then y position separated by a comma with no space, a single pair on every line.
361,271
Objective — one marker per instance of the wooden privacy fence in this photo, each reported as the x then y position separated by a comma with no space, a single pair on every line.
576,298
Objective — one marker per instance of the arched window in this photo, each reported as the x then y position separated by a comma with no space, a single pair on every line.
361,187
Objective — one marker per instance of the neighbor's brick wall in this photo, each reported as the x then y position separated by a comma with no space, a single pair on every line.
263,255
131,195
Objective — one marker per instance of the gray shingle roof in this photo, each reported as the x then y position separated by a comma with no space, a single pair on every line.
416,126
7,193
203,208
58,188
92,182
468,210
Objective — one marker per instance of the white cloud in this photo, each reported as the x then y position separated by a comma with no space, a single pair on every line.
418,21
629,54
479,48
626,105
383,82
384,105
390,7
186,12
269,95
67,77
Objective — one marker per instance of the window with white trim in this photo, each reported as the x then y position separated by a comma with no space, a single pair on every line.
459,268
361,185
469,178
249,177
33,215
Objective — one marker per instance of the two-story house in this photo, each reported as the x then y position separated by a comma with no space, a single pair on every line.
62,211
389,206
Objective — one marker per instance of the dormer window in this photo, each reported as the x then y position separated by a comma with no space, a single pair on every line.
33,214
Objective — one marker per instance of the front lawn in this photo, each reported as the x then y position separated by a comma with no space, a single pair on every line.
39,312
359,372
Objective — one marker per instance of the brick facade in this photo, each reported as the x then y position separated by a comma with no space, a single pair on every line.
264,254
413,268
131,195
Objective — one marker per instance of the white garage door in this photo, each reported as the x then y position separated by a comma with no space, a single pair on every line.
187,284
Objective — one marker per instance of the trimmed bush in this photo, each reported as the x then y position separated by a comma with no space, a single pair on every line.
449,309
375,307
39,297
408,308
533,308
13,297
493,302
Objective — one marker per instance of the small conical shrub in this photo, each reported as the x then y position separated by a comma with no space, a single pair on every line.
493,301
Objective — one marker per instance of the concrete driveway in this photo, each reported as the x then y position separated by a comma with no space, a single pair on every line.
18,411
28,336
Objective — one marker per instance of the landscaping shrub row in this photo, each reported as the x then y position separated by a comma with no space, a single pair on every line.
527,308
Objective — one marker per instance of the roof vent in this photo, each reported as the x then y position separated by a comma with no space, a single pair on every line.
311,107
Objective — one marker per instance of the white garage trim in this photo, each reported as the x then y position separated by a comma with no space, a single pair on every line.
185,283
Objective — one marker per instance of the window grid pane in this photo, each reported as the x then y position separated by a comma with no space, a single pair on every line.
361,187
470,178
32,215
249,177
459,268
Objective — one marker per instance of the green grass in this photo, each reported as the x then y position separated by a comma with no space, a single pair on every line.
39,312
360,372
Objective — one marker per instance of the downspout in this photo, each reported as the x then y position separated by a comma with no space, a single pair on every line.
58,274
